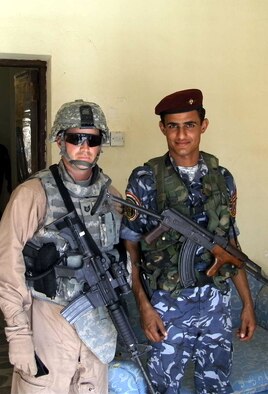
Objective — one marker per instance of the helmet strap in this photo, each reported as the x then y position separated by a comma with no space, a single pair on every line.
76,163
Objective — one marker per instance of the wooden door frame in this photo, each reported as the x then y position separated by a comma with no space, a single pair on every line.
42,109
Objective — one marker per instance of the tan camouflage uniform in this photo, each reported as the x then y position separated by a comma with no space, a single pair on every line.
73,367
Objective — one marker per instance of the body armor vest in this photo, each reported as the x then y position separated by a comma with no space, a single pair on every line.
103,226
161,260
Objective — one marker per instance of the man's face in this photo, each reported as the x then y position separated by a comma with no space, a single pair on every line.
183,133
78,147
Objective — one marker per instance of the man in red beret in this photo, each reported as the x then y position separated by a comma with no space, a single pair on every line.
185,320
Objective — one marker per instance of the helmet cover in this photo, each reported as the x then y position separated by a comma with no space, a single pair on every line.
79,114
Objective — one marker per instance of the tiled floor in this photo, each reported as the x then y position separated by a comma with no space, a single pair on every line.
5,367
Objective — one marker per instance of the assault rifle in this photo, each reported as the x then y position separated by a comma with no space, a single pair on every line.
105,280
195,236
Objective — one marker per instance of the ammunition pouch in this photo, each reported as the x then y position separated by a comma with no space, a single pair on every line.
40,263
191,272
220,280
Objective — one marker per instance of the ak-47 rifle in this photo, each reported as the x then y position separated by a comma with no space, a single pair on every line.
223,251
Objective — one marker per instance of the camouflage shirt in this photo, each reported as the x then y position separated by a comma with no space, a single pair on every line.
162,261
141,190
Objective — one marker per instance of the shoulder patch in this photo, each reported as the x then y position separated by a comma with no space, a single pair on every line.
129,212
233,205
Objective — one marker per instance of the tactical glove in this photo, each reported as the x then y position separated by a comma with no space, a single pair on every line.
21,349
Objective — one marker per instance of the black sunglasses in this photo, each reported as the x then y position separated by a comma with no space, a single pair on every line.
80,138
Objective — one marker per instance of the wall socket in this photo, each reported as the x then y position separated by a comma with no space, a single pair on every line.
117,138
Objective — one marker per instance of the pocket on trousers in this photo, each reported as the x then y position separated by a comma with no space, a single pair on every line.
25,384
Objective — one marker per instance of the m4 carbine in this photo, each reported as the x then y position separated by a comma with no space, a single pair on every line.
105,282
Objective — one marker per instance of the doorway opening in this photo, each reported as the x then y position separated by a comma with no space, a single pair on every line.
23,114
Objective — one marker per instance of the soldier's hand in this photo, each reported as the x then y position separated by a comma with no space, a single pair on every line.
21,349
248,324
153,325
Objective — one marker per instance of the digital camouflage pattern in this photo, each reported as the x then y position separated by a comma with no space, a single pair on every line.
68,116
97,331
199,327
104,228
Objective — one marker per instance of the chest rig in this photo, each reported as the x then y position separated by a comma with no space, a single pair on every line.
103,226
161,261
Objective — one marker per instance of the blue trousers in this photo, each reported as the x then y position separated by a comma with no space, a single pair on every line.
199,327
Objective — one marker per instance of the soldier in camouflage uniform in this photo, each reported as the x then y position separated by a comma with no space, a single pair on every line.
76,356
185,321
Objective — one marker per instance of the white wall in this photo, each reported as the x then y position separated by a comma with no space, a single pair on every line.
127,55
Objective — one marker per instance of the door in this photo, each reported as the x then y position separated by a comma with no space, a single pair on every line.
22,122
26,103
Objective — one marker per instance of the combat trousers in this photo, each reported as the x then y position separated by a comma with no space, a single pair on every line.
199,328
73,368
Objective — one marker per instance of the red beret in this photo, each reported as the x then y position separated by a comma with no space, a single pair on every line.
182,101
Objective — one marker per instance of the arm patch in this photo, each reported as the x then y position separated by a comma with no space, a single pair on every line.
132,213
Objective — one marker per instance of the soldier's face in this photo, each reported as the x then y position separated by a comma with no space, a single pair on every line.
79,147
183,133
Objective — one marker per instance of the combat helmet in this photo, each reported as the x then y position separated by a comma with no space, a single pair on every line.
81,114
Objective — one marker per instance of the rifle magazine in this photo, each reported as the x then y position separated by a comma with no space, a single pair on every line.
76,309
186,263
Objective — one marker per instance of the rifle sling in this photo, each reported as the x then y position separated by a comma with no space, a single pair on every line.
71,208
62,189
